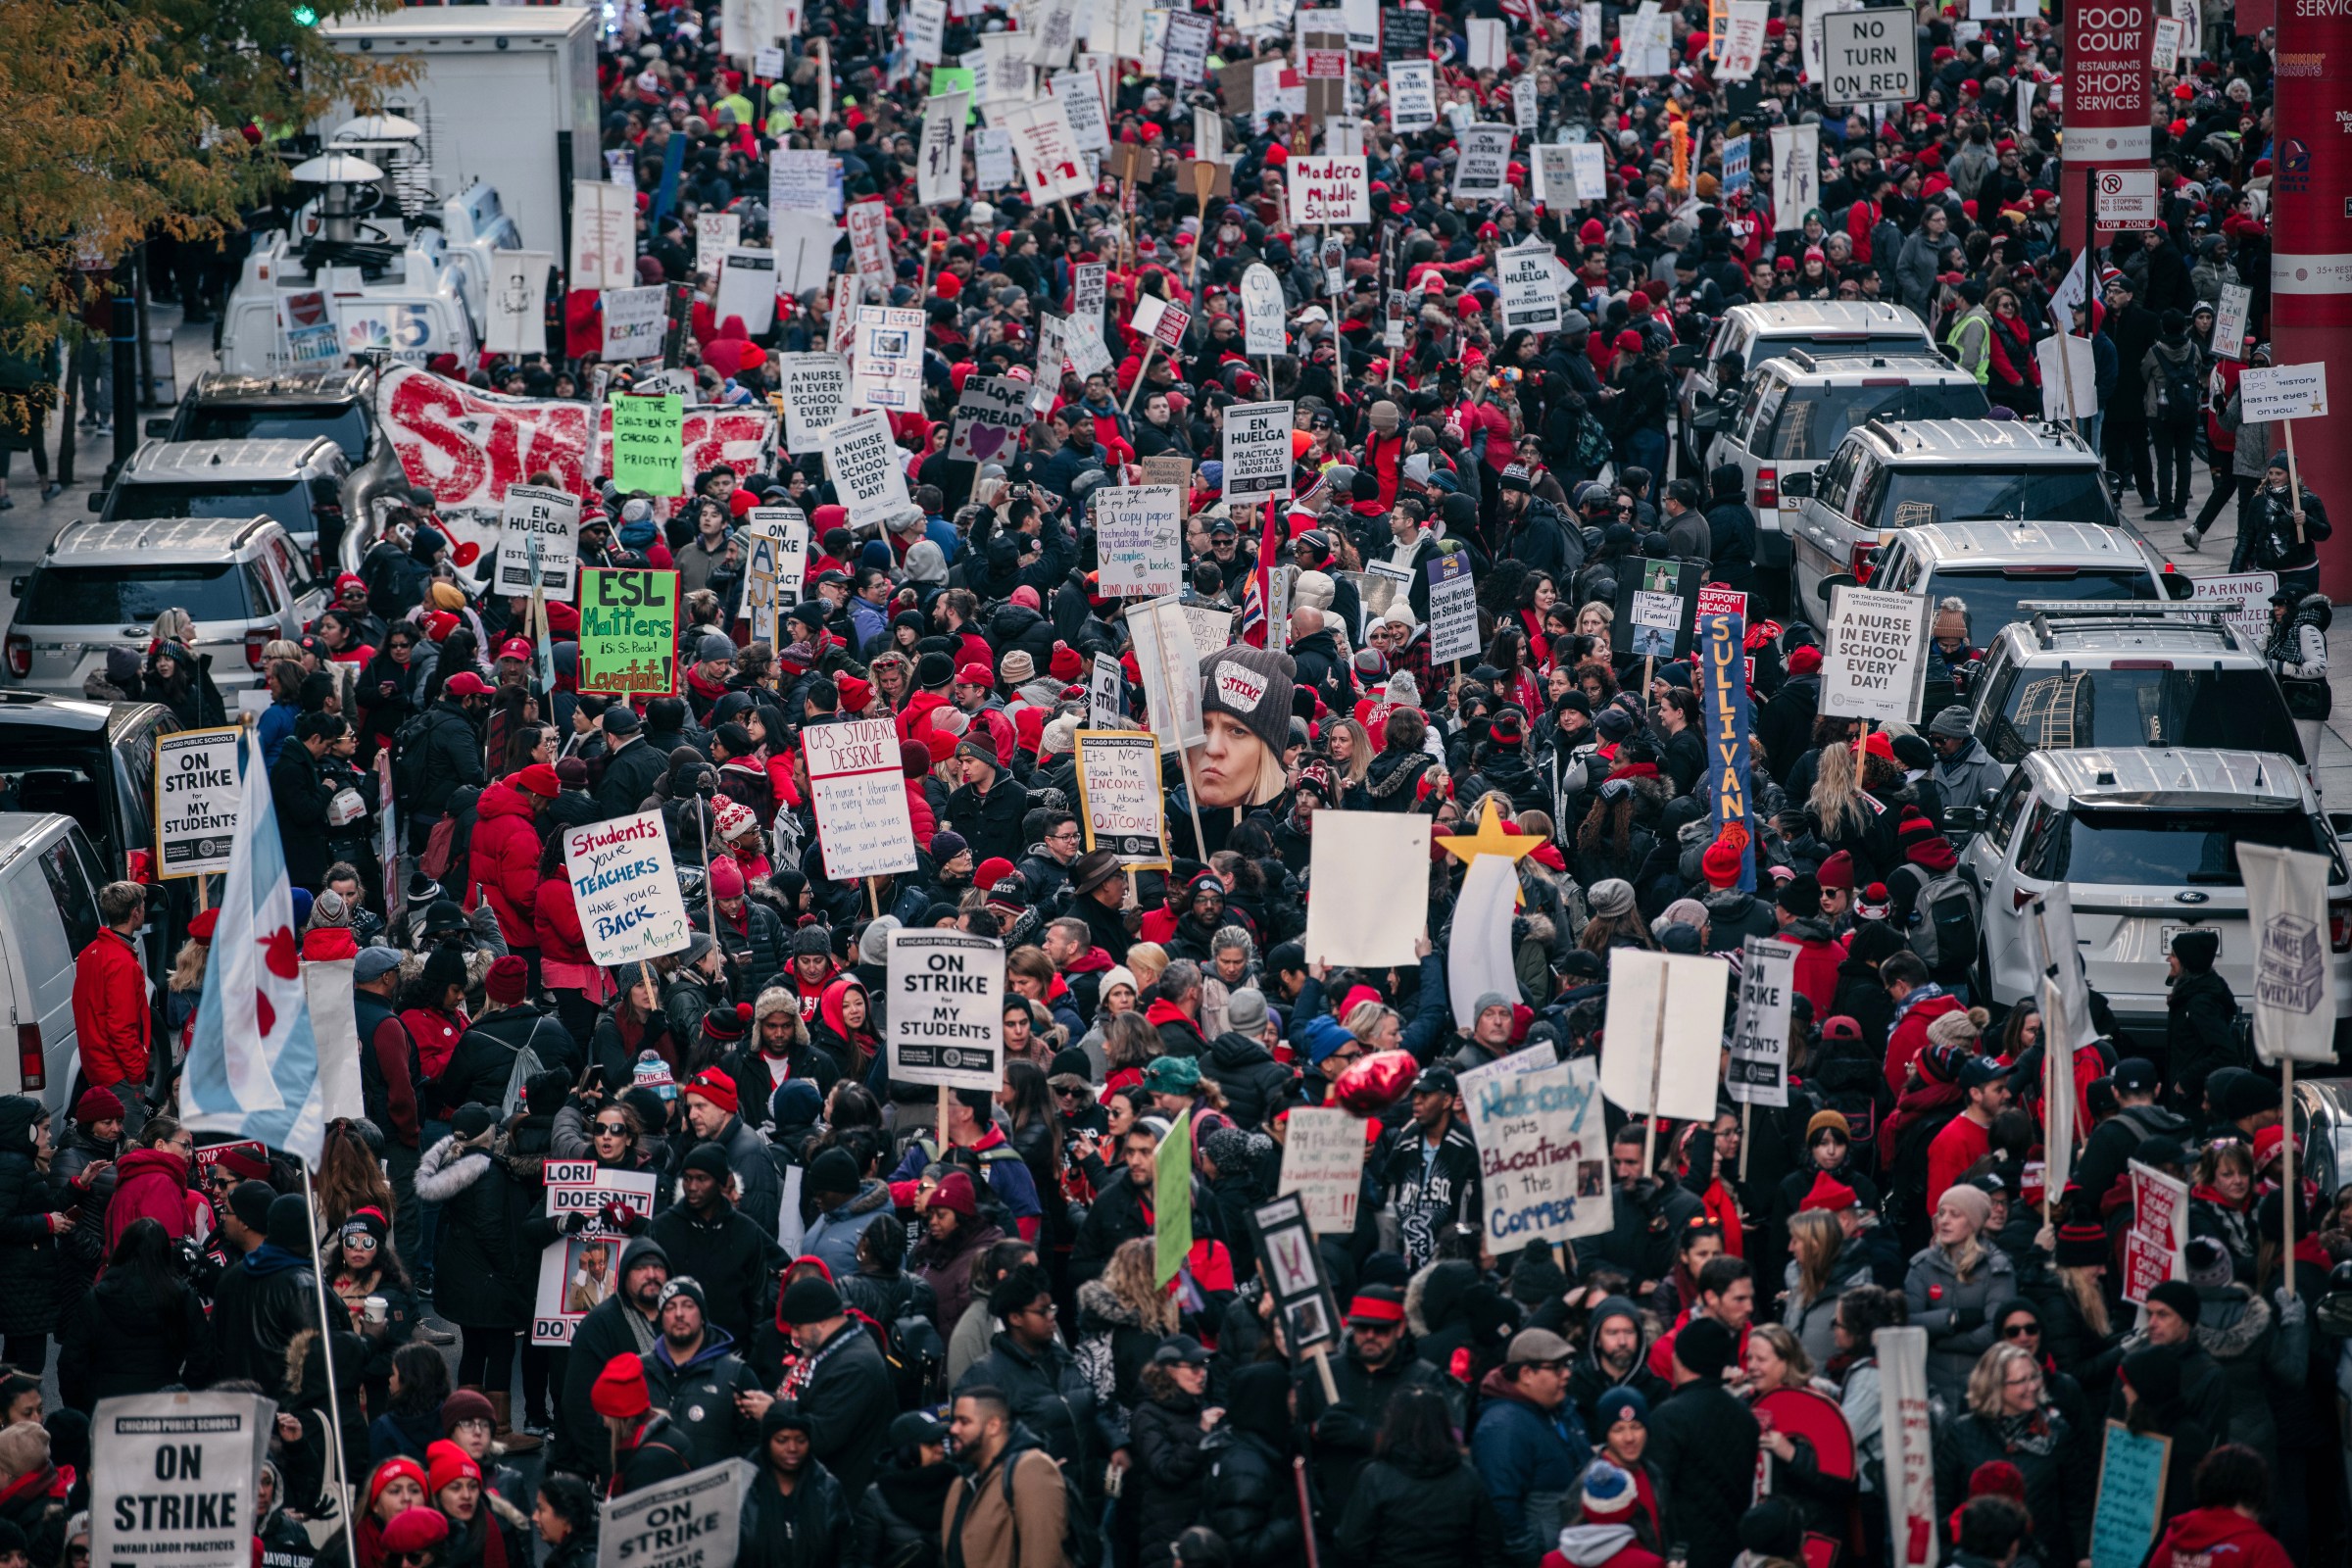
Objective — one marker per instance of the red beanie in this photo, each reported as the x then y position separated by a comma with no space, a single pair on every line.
451,1464
618,1391
507,981
96,1106
392,1469
415,1530
716,1086
1721,864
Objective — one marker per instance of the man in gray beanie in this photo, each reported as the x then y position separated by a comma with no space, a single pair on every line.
1257,1086
1491,1019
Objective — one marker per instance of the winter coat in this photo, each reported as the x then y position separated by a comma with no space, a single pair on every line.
2260,1356
1958,1314
503,861
1344,1432
1256,1087
122,1341
1049,1396
613,1327
111,1021
948,1269
29,1196
149,1184
736,1260
983,1533
2217,1538
452,758
834,1236
1433,1516
299,799
1251,1499
902,1514
849,1403
483,1280
700,1396
1814,1322
819,1524
1170,1470
1531,1462
1704,1442
2201,1032
2060,1481
630,774
261,1302
483,1064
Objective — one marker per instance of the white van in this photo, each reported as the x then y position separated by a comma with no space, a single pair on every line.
49,882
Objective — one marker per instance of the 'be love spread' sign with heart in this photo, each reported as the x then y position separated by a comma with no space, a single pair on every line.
989,413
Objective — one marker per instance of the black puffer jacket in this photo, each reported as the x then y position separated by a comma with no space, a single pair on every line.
899,1518
29,1196
485,1282
1255,1085
1704,1443
1433,1515
1164,1436
81,1251
1249,1497
122,1340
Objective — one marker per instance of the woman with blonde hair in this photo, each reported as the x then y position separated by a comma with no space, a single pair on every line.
1956,1285
1348,746
1775,1363
1122,1316
1146,961
1594,620
2009,1418
1776,1360
1378,1026
1840,819
1822,1267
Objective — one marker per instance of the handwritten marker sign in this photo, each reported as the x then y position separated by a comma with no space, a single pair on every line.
2283,392
1873,660
649,447
1329,190
1139,533
2159,1231
2130,1497
1323,1163
628,632
860,798
946,995
1119,795
1543,1154
625,886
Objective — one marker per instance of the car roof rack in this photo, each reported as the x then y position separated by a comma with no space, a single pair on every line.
2082,614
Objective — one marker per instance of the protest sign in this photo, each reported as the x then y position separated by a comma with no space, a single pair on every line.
1908,1424
625,886
1724,710
800,180
1080,93
628,631
1523,112
171,1479
815,394
1212,626
580,1270
1531,294
1105,693
2048,934
2229,320
196,801
1663,1032
1329,190
1121,801
1744,39
1184,45
926,33
1554,173
1263,311
1257,451
1657,608
1164,654
1169,469
2294,977
939,158
992,159
1047,148
887,371
649,444
1590,166
1138,534
858,791
2159,1231
864,464
1284,1236
747,288
516,293
2129,1508
546,519
1413,94
1090,288
604,240
2250,592
1323,1165
991,412
1736,175
1795,172
868,223
1350,916
803,245
1543,1154
945,1004
1082,341
2283,392
1874,655
1172,1200
2082,377
1452,608
1483,174
635,320
687,1523
1759,1071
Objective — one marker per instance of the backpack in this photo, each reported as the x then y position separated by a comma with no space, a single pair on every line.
1081,1532
411,748
1946,917
1591,443
2181,389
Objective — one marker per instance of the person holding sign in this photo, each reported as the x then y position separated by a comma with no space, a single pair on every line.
2281,529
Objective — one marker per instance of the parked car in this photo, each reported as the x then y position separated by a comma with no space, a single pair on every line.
1824,328
299,482
102,584
49,881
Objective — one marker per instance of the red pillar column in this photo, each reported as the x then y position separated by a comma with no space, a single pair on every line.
2310,252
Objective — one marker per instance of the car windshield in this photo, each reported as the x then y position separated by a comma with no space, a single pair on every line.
1839,348
2237,710
2138,848
1815,418
282,499
343,422
98,595
1960,495
1993,597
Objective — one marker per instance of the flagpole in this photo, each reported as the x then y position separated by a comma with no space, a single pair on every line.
344,1494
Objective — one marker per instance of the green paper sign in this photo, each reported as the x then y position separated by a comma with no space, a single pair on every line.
629,631
1172,1200
946,80
648,446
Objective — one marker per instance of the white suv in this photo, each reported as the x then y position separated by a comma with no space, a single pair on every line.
1826,329
2146,838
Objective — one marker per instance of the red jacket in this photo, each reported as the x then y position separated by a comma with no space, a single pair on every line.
111,1016
1817,970
1960,1144
1909,1037
2216,1538
503,862
556,923
149,1184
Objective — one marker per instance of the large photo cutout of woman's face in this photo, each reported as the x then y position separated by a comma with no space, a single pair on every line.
1246,712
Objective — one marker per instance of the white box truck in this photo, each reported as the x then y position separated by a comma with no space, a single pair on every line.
505,94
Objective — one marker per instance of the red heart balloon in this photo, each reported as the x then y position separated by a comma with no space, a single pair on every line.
1375,1083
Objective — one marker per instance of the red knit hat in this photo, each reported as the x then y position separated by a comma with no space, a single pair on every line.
508,980
539,779
618,1391
1828,1192
1065,666
714,1085
1838,871
955,1195
96,1106
451,1464
393,1469
415,1530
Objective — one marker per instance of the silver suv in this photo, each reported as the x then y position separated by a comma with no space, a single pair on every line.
102,584
1789,415
1754,333
1890,474
298,406
2146,838
298,481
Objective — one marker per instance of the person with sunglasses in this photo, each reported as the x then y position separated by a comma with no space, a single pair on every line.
366,1277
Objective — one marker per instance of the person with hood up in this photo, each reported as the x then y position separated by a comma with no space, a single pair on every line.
1733,916
2200,1015
695,1373
1529,1442
625,1322
504,855
2232,1495
844,1026
1613,1357
1609,1498
151,1182
2261,1346
797,1513
900,1516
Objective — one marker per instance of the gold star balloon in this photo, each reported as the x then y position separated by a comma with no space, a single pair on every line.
1490,839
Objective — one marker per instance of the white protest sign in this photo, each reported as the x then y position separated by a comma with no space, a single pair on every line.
1452,608
1257,451
1484,171
1262,311
579,1271
1744,39
1081,98
1868,57
1105,693
715,233
550,517
1907,1427
945,1001
1412,95
625,887
1047,150
2049,929
604,238
1164,652
1874,655
1120,802
2054,376
1489,44
1139,531
1522,104
1082,342
1796,174
747,288
2251,592
779,547
1543,1153
1589,165
1323,1163
927,32
992,159
991,411
800,180
1329,190
2295,975
866,468
686,1523
815,392
2283,392
2159,1231
1350,918
1663,1033
939,158
886,370
1090,288
171,1479
197,801
860,794
2166,54
516,295
2229,322
635,320
1531,292
801,244
1759,1069
869,238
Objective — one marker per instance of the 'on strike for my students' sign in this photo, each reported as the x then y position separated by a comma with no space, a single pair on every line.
197,801
860,794
625,887
1874,655
946,1007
